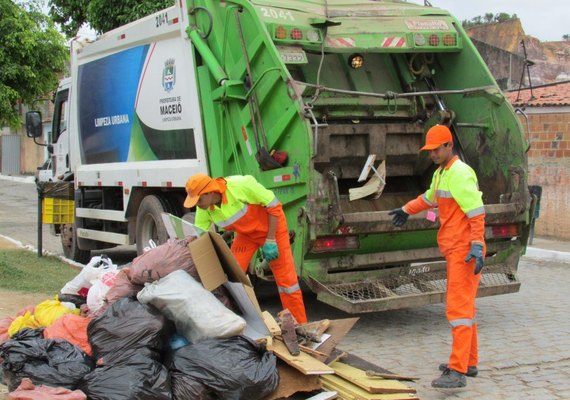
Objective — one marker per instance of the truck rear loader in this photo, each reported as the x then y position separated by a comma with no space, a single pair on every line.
299,94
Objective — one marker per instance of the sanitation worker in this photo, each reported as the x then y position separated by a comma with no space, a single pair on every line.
241,204
454,190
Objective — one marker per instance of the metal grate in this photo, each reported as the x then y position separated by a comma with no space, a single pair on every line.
431,282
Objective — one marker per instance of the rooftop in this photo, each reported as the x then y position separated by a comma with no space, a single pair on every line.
551,95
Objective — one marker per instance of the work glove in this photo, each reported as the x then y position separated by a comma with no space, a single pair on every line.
269,249
399,216
476,252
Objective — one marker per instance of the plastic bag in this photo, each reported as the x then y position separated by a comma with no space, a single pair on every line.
136,378
197,313
234,368
46,362
50,310
95,268
122,287
161,261
128,327
24,321
28,391
98,291
72,328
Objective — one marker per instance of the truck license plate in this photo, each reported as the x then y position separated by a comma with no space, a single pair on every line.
292,55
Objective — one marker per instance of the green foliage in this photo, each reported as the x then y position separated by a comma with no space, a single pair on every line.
23,270
32,55
488,18
101,15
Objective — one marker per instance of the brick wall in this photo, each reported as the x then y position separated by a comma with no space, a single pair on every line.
549,167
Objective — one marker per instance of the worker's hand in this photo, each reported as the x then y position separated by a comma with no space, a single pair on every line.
399,216
476,252
269,249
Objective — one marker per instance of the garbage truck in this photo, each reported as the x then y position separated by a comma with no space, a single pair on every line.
318,100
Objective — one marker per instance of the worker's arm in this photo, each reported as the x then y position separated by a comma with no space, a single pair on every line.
423,201
272,226
465,191
202,220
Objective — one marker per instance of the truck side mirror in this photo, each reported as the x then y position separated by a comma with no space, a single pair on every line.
34,124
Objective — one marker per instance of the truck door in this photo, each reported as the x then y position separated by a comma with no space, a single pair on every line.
60,134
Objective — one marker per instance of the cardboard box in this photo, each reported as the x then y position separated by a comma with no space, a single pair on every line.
217,266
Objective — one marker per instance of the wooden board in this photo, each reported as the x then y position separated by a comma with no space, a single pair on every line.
371,385
271,324
303,362
292,381
338,329
347,390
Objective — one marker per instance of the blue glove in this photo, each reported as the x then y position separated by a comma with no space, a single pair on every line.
269,249
476,252
399,216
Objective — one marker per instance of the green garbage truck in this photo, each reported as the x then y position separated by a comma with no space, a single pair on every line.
326,103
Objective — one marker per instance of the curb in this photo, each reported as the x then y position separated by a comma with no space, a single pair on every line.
553,255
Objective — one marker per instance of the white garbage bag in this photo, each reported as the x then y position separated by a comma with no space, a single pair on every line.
197,313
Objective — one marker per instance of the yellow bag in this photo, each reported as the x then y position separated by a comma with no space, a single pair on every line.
23,321
50,310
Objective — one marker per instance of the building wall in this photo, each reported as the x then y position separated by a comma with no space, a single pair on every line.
549,167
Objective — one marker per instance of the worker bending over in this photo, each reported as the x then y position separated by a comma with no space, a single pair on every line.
241,204
454,190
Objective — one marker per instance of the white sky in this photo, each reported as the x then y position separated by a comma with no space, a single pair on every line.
546,20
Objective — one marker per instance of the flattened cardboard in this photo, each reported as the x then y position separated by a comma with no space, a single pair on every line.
217,266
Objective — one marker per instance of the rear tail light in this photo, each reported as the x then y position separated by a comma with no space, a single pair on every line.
504,231
335,243
448,40
296,34
433,40
280,32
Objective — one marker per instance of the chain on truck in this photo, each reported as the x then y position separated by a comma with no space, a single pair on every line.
224,87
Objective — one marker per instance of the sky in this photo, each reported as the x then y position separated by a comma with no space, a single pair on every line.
546,20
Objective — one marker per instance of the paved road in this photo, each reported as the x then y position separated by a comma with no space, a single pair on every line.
524,337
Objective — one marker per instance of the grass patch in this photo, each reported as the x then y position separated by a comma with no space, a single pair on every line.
22,270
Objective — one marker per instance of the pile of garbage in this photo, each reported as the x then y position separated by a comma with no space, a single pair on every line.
149,330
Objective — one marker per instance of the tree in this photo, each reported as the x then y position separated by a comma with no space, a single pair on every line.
101,15
32,55
566,37
488,18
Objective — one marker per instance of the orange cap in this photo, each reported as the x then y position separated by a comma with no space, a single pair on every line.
436,136
195,186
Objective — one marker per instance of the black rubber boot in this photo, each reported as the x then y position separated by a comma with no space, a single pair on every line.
471,371
450,379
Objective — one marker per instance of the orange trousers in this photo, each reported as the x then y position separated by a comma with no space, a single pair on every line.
462,286
283,268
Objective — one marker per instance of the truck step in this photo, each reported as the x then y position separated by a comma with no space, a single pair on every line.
407,291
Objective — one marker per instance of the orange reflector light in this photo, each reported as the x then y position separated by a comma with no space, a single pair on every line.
280,32
433,40
448,40
504,231
335,243
296,34
355,61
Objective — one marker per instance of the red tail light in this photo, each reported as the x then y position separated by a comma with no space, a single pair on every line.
504,231
433,40
335,243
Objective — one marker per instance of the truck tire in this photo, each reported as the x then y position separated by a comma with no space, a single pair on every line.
149,222
69,245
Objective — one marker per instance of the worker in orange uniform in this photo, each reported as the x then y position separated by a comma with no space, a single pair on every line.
454,190
241,204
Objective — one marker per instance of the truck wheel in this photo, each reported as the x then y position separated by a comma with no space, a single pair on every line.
69,245
149,222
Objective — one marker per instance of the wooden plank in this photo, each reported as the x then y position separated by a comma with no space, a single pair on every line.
324,396
349,391
303,362
271,324
371,385
338,329
292,381
374,374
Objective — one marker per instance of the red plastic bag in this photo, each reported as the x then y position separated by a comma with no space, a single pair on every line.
28,391
72,328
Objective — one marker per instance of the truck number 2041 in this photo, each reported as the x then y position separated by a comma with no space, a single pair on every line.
161,19
277,14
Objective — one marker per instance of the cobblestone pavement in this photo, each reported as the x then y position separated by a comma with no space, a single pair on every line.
524,339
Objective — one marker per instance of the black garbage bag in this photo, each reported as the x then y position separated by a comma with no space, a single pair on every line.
138,378
51,362
128,327
28,333
187,387
232,369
